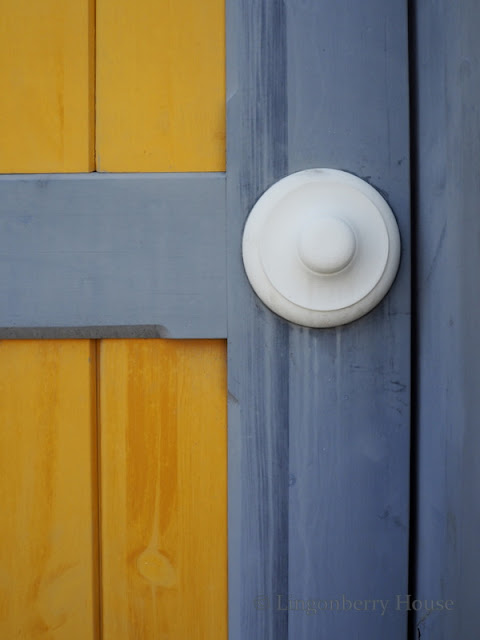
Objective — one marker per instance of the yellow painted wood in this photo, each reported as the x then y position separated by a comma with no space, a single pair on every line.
160,85
47,86
48,526
163,489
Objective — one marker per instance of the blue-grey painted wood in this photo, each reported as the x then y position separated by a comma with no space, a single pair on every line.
121,255
257,340
350,387
447,65
318,419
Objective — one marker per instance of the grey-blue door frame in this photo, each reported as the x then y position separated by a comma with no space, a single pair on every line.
446,135
319,420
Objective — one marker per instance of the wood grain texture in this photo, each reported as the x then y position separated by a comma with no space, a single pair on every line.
47,86
318,419
349,425
258,349
163,470
116,251
446,58
48,554
160,85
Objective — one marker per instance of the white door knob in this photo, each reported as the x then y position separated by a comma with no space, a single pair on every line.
321,248
326,244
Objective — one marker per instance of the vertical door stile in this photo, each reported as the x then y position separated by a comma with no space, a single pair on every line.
318,419
257,341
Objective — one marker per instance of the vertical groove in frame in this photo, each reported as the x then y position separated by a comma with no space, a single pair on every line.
414,422
97,520
92,70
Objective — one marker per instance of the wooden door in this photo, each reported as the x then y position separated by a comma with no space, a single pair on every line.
113,451
318,421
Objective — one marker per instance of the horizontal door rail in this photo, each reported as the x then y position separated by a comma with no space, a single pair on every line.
123,255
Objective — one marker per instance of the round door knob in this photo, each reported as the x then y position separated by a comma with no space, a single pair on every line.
326,244
321,247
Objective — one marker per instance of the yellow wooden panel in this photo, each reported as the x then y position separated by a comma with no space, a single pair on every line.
160,85
48,526
163,489
47,86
